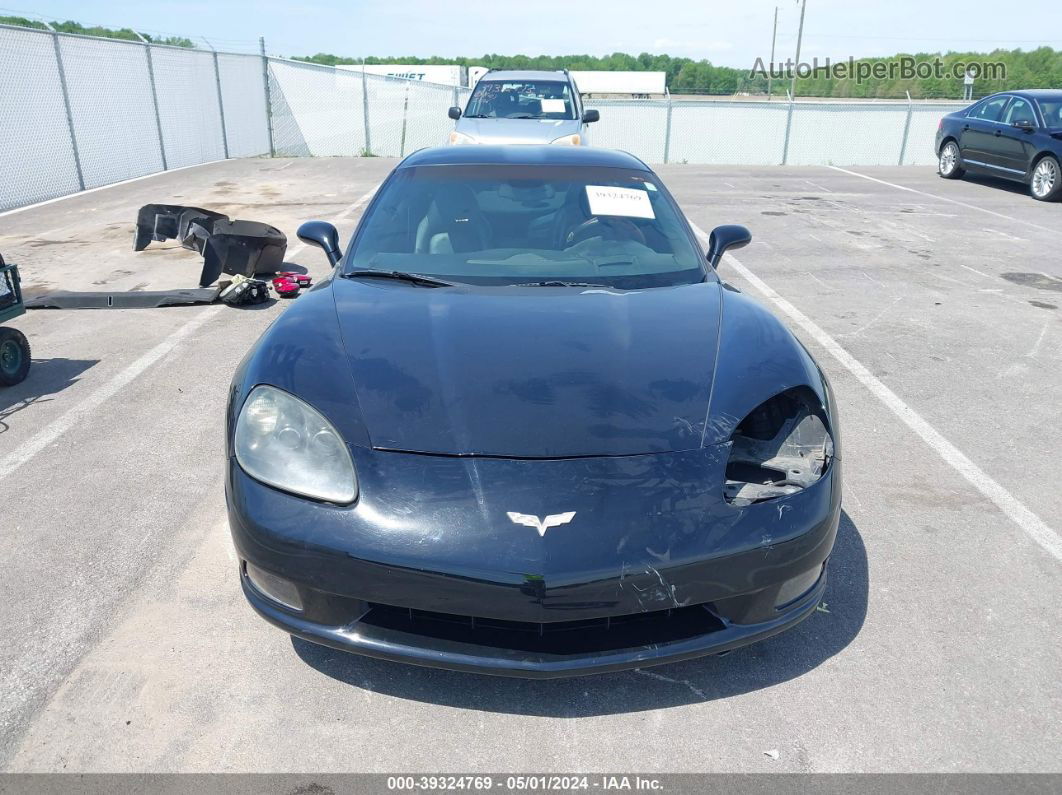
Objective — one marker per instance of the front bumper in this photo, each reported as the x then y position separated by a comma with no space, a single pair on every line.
426,640
426,569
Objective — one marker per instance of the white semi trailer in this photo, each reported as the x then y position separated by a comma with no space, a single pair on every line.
596,83
631,83
446,74
599,83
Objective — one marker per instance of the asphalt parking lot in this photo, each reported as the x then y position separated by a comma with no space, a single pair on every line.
933,305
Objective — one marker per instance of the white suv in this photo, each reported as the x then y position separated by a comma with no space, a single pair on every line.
509,107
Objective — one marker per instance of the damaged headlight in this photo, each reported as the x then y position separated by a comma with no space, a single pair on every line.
780,448
285,443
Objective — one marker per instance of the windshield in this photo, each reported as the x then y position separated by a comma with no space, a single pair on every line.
499,225
537,99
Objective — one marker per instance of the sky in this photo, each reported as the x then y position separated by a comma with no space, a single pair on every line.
726,32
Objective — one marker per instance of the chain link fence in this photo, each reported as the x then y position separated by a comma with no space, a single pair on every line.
79,112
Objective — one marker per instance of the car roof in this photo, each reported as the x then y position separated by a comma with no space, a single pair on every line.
1036,93
524,74
523,155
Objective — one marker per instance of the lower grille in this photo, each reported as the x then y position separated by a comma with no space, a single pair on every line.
560,637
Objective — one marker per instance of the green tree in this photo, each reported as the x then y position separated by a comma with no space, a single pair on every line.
108,33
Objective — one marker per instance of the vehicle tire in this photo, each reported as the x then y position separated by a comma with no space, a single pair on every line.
1046,182
14,356
948,164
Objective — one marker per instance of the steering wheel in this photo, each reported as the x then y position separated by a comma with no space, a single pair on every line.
611,228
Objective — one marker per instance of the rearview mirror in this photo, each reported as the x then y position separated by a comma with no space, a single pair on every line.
323,234
454,113
724,238
590,116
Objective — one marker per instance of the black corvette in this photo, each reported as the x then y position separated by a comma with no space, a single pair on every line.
525,429
1016,135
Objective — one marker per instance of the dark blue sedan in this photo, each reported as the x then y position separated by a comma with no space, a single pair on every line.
525,429
1016,135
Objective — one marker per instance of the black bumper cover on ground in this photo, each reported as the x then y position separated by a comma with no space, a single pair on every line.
227,246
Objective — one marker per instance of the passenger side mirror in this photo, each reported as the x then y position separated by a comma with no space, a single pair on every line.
323,234
1023,124
590,116
454,113
724,238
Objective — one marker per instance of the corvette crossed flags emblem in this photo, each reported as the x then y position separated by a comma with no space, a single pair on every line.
542,525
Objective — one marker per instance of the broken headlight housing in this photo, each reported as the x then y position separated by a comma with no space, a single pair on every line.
285,443
783,446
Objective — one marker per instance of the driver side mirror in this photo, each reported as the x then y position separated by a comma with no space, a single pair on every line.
454,113
724,238
1023,124
324,235
590,116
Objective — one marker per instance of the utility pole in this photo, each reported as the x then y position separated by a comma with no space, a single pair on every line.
800,38
774,38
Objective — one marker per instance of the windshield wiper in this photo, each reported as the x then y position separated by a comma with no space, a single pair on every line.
402,276
476,116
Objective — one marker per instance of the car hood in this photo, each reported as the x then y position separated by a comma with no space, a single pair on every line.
529,372
518,131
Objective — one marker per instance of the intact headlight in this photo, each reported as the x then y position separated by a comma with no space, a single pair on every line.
782,447
285,443
568,140
460,138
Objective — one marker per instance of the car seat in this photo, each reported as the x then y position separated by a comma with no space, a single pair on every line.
453,223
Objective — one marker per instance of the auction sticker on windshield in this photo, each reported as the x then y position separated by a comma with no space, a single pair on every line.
628,202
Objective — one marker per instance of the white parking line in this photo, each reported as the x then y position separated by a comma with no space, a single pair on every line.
87,406
811,275
974,270
1039,340
90,404
944,199
1004,235
105,187
1011,506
